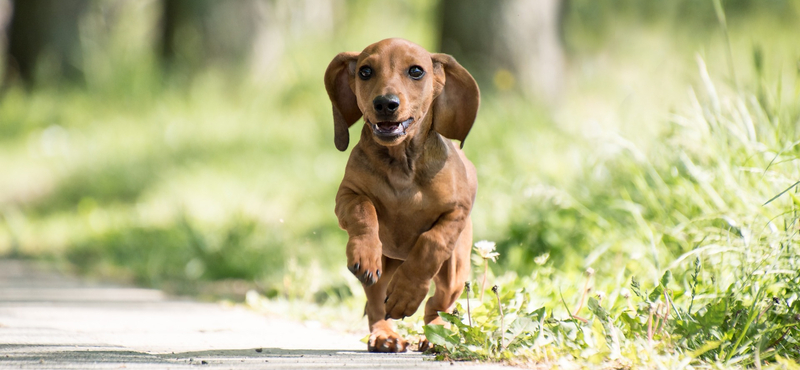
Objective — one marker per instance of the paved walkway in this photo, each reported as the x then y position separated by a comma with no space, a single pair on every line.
50,321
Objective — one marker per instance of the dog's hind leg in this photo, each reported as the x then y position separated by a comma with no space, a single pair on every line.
450,279
449,282
382,337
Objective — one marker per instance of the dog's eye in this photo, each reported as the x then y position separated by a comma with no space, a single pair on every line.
365,73
416,72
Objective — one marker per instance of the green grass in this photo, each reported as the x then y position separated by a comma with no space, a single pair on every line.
693,250
217,184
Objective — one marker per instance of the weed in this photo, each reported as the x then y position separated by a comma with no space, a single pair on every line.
701,198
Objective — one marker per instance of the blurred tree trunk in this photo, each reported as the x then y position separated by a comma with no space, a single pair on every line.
177,14
196,33
42,28
5,19
507,43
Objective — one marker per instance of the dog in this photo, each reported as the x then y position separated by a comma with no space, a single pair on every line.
408,190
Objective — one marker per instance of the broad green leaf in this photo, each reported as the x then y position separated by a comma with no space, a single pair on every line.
656,293
597,310
519,326
453,319
666,278
439,335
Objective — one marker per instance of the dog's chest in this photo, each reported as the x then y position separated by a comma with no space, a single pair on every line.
412,201
412,196
404,215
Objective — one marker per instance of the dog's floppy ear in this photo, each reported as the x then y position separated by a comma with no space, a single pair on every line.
338,77
456,107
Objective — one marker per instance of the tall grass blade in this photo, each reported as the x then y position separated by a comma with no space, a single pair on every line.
781,193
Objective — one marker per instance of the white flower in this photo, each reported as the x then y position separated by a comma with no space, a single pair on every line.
600,296
485,249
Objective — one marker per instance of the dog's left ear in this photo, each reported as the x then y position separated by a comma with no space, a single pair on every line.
456,106
338,79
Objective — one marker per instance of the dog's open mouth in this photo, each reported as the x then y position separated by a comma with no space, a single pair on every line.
391,129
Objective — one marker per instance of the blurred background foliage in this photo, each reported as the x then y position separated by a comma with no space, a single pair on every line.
187,144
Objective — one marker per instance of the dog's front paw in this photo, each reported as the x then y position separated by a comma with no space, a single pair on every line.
364,259
384,339
404,294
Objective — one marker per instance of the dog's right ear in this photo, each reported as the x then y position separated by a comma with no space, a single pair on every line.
338,78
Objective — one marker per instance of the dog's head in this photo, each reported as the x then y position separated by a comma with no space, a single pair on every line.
395,84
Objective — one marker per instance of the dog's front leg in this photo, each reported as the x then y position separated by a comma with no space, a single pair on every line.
411,282
357,216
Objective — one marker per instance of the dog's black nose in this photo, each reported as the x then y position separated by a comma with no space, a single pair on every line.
386,104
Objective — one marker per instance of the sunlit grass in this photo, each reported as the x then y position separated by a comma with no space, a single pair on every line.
693,249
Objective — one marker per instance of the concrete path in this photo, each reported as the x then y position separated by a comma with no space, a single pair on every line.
51,321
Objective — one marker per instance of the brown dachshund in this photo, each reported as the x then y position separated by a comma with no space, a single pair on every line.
407,191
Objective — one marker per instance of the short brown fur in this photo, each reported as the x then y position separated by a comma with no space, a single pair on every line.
406,198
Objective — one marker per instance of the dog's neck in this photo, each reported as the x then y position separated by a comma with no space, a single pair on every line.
414,157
